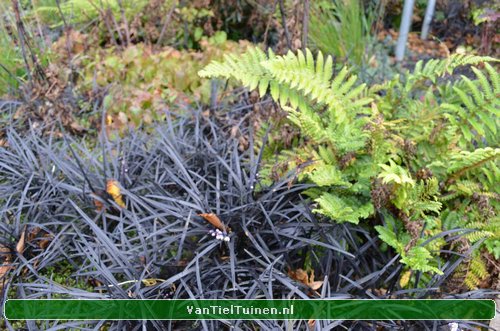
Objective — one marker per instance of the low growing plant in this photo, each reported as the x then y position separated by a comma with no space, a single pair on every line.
136,218
143,83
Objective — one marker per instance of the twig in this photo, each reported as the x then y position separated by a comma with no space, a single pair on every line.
186,34
269,22
108,26
167,23
283,19
39,27
125,22
68,35
305,25
213,95
62,15
117,27
104,17
20,29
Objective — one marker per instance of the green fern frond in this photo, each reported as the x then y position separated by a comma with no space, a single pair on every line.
465,187
476,272
328,175
343,209
389,237
419,258
465,161
477,235
481,107
437,67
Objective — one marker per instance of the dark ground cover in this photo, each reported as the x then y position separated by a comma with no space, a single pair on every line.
157,246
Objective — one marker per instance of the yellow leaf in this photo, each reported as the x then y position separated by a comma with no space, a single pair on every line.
405,279
113,189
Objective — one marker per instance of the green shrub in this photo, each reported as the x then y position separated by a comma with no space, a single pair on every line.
413,151
143,83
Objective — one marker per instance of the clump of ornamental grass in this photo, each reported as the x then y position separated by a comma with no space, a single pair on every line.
176,214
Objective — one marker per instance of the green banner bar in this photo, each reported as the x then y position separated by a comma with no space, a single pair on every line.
19,309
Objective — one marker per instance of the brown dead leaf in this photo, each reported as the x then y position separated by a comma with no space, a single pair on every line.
316,285
5,267
99,206
234,131
299,275
303,277
21,242
214,220
243,144
4,251
44,243
34,231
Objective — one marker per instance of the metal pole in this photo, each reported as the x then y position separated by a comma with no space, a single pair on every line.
404,29
429,12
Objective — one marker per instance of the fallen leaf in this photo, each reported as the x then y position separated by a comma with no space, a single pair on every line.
113,189
214,220
316,285
44,243
99,206
5,267
405,279
302,276
299,275
21,242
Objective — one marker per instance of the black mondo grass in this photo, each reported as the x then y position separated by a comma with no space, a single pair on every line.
158,247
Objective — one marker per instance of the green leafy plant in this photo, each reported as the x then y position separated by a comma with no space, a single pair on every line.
11,62
341,28
149,81
82,11
367,150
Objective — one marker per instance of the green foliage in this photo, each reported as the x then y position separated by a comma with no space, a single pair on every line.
193,31
341,28
11,61
12,65
473,272
476,111
148,81
411,156
328,116
83,11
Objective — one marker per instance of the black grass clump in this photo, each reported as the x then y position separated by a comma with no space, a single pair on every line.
82,240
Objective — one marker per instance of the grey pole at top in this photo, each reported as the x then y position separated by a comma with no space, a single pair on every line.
404,28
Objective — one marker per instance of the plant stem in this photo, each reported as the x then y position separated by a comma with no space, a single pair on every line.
285,28
305,25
